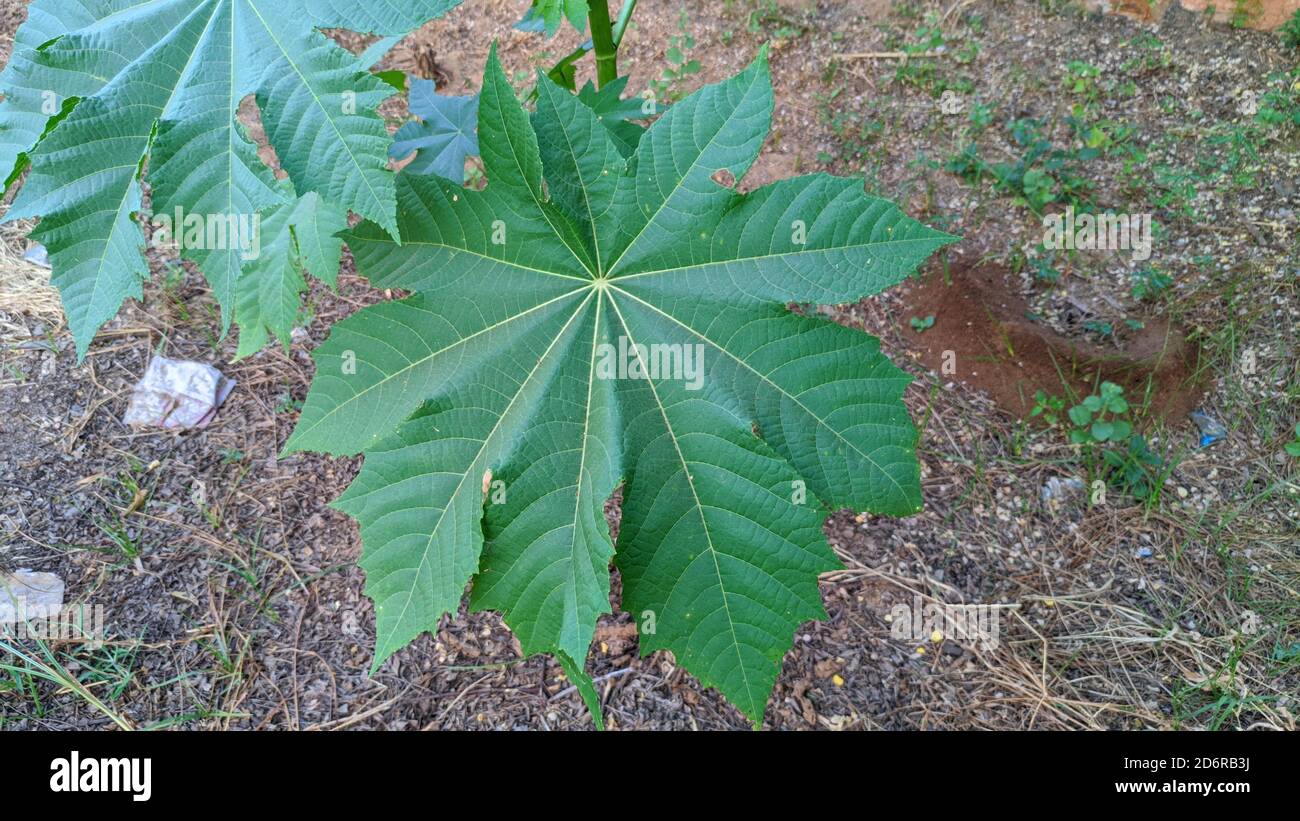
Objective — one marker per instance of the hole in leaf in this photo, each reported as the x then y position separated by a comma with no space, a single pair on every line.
724,177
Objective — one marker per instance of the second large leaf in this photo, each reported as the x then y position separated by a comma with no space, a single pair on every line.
98,90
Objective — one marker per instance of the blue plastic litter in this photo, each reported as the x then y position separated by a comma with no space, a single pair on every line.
1211,429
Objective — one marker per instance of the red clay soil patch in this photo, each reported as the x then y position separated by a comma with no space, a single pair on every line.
995,347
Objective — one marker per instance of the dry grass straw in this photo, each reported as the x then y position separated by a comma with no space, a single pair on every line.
25,288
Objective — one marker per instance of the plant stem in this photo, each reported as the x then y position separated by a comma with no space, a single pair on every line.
624,17
562,72
602,38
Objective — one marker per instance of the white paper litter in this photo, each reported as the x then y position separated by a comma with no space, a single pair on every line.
26,595
37,255
176,393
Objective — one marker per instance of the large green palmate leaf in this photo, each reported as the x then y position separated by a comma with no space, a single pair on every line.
98,90
624,322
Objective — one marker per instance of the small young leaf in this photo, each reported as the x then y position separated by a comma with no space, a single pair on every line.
447,135
615,113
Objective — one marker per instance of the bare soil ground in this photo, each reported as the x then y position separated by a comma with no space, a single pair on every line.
1013,356
231,590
